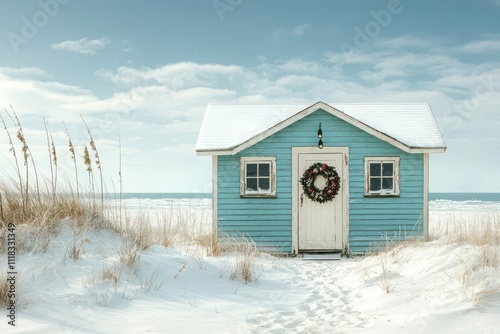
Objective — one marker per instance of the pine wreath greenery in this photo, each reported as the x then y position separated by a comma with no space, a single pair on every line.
332,182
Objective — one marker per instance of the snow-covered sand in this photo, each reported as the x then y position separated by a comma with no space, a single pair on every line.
436,287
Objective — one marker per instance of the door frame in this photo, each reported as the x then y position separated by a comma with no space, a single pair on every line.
344,183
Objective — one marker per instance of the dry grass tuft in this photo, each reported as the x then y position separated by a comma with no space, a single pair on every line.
168,232
24,201
33,238
386,284
185,229
394,243
474,275
475,228
111,274
41,218
192,227
245,262
481,230
4,290
129,254
150,283
491,256
76,249
211,244
478,230
42,209
142,232
38,209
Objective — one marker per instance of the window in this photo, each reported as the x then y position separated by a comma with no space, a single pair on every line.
381,176
258,177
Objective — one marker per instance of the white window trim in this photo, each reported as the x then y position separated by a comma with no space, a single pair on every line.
243,190
395,171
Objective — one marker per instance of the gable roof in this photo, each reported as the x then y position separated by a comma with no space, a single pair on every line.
230,128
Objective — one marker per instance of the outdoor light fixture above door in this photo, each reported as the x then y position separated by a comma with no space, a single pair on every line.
320,135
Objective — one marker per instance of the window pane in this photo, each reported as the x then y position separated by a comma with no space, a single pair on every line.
387,183
251,169
264,169
375,169
374,184
387,169
252,184
264,184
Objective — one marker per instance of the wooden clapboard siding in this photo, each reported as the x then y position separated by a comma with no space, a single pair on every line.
268,221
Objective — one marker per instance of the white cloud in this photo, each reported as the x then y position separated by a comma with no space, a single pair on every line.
23,72
300,30
300,66
406,41
431,64
178,76
356,57
484,46
377,77
83,46
40,97
297,31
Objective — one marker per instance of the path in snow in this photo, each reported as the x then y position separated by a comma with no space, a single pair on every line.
326,307
408,290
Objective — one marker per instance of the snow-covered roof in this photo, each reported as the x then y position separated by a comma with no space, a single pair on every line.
230,128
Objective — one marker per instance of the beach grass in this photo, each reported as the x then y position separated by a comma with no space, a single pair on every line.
477,231
40,206
4,289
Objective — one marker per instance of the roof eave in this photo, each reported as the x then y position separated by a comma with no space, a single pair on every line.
202,152
427,150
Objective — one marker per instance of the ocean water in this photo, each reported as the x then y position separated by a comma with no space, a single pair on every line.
464,202
163,195
203,201
463,197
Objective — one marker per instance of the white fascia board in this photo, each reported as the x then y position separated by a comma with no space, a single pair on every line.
426,197
215,214
428,150
213,152
439,129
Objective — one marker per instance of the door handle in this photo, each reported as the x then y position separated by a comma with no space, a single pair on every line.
301,199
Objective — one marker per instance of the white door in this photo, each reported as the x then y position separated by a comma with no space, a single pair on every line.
320,224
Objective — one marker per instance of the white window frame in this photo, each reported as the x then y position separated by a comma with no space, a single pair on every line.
272,182
395,174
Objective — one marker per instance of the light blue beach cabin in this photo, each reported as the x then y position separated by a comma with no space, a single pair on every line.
260,152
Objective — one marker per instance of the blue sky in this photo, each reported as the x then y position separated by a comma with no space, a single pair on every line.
145,71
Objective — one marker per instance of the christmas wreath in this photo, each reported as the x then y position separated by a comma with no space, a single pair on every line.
332,182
